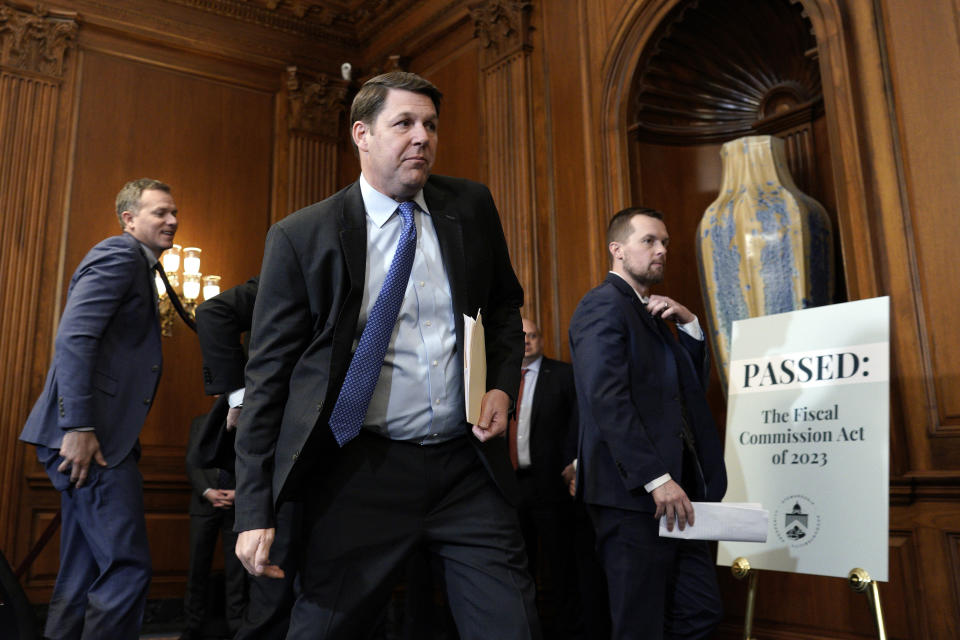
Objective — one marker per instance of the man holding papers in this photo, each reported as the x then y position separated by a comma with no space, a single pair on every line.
648,445
354,394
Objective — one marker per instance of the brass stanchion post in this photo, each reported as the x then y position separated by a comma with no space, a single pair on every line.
861,582
740,570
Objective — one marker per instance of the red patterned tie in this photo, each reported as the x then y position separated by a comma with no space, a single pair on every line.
514,460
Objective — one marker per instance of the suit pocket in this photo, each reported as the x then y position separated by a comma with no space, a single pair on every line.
105,383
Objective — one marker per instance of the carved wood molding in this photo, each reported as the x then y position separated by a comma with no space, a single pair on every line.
315,103
351,23
716,71
36,41
503,27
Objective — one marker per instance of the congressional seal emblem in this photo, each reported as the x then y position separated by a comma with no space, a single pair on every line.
796,521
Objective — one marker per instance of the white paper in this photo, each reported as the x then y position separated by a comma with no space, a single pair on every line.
735,521
474,366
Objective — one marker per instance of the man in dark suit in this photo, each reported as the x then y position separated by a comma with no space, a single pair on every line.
355,391
86,423
221,323
211,516
545,417
648,445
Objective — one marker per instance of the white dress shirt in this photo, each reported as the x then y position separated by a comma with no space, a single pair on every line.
523,417
419,395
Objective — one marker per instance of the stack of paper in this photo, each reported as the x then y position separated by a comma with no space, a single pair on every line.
474,366
734,521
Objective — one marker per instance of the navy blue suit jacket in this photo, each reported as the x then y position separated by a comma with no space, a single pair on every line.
305,322
630,381
108,356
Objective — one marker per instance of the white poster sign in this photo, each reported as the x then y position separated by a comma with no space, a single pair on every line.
808,437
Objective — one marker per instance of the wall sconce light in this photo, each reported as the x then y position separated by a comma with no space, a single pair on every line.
187,285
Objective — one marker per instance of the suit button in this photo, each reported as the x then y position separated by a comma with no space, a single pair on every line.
155,368
146,401
296,454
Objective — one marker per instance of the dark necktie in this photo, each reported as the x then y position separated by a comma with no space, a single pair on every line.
513,424
174,299
364,370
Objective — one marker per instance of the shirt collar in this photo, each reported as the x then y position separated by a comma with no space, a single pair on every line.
643,299
380,207
535,365
151,259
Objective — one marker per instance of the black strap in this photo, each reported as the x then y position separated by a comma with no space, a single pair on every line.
175,299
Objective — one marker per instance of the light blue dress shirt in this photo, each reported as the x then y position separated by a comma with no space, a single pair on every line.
419,395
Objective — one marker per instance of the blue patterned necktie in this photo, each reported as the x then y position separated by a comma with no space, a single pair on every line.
364,371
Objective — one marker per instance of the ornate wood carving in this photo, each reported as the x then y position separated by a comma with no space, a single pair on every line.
35,47
36,41
314,121
316,104
350,23
502,26
717,70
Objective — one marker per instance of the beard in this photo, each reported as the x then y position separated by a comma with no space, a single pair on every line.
648,277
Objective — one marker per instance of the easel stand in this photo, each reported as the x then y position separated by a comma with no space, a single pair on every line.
861,582
740,570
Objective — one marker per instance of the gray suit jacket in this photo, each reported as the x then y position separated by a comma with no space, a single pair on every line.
108,356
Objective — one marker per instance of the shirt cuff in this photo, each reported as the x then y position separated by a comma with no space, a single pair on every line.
82,429
235,398
657,482
693,329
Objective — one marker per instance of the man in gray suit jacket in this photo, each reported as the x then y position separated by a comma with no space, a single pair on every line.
86,422
405,471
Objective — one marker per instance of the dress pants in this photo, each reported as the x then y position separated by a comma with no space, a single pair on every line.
547,526
373,503
270,600
204,530
101,587
658,587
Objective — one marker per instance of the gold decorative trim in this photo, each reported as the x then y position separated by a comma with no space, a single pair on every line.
36,41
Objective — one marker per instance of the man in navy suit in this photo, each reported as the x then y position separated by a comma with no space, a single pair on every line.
87,421
406,471
648,445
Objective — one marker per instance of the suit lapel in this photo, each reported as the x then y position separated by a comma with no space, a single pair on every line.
353,245
450,237
543,382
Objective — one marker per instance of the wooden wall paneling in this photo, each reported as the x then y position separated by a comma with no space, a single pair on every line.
929,148
316,106
154,114
503,29
37,66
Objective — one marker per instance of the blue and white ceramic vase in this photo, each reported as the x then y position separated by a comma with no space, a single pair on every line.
763,246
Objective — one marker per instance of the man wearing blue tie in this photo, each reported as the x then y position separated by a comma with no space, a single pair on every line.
87,421
354,397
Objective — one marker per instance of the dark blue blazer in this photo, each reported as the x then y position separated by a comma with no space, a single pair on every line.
107,358
631,374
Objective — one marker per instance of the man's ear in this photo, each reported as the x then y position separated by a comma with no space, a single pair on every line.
127,217
614,249
359,133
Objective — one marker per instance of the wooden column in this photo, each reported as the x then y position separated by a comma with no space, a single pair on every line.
314,107
36,48
503,28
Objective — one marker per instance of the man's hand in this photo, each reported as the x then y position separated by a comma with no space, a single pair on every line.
569,474
220,498
669,309
233,417
77,449
253,550
672,501
493,415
